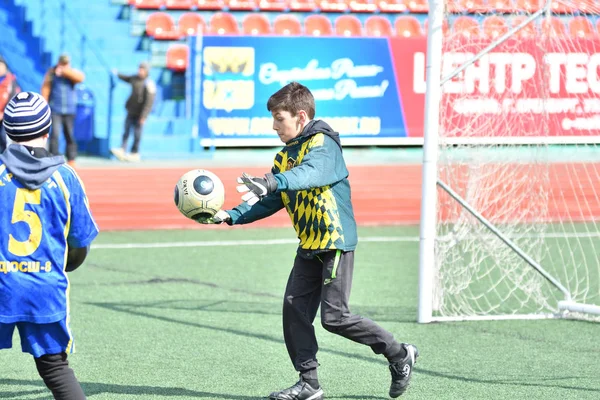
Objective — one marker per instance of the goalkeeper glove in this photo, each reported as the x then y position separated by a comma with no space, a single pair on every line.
220,217
257,188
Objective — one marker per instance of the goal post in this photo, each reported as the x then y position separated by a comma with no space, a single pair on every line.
510,206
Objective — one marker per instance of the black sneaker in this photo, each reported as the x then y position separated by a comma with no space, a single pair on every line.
300,391
402,370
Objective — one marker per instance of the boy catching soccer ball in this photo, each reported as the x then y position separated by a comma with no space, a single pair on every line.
309,178
46,229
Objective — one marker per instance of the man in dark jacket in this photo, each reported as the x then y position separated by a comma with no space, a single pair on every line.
59,91
138,106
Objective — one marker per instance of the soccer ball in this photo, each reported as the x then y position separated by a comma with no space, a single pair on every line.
199,194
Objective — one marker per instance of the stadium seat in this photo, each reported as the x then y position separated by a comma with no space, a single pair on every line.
272,5
529,31
408,26
287,24
418,6
303,5
466,26
358,6
317,25
332,5
502,6
256,24
223,23
177,57
494,26
348,25
179,4
392,6
188,23
562,8
161,26
478,6
378,26
554,28
581,27
210,4
588,6
147,4
528,6
241,5
445,26
456,6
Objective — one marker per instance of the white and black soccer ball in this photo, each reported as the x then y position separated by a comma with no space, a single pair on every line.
199,194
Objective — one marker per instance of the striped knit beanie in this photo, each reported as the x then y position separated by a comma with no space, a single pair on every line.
26,117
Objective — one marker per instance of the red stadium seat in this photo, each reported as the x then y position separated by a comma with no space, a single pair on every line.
529,31
177,57
393,6
418,6
179,4
147,4
362,5
588,6
272,5
408,26
504,6
256,24
445,26
241,5
287,25
332,5
529,6
466,26
378,26
479,6
223,23
210,4
317,25
554,28
161,26
189,22
562,8
581,27
494,26
456,6
348,25
303,5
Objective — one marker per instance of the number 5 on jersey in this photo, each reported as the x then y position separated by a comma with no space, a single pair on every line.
29,245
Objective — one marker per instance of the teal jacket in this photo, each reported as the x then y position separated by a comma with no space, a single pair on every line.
313,186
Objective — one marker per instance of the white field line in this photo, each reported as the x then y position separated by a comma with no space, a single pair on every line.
212,243
233,243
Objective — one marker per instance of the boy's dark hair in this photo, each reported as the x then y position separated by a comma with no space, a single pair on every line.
292,98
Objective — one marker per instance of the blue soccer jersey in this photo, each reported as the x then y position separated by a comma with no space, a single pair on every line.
37,227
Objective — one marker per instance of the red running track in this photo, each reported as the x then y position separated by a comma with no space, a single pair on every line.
142,198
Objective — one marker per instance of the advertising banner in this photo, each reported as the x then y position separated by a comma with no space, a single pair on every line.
372,90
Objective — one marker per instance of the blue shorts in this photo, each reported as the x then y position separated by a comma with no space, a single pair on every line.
39,339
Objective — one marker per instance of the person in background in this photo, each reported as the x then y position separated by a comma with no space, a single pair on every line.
59,90
8,88
138,106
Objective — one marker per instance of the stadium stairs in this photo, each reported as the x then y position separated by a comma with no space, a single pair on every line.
97,36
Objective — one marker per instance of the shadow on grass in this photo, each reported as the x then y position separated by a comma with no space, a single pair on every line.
94,388
379,314
377,360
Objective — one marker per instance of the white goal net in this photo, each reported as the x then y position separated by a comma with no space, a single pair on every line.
517,142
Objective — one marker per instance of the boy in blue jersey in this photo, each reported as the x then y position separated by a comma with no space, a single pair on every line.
309,178
46,229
